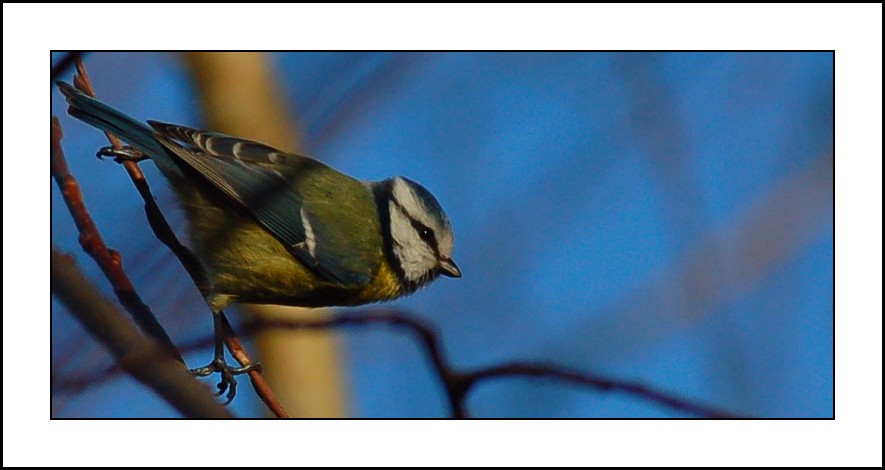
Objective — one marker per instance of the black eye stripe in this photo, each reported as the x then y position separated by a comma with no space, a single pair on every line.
425,232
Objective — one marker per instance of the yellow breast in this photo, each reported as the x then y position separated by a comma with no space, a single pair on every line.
385,285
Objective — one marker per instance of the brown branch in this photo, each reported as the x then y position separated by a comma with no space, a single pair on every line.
262,389
145,359
108,260
528,369
165,234
457,384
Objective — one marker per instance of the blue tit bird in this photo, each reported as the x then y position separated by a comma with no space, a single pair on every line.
273,227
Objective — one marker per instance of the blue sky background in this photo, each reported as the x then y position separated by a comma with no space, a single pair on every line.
665,218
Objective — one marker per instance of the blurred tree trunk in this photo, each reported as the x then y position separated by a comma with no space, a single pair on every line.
240,97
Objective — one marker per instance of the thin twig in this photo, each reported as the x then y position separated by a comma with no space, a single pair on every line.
167,236
142,357
528,369
262,389
459,383
93,244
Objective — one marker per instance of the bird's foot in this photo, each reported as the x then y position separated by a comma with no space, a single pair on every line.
228,382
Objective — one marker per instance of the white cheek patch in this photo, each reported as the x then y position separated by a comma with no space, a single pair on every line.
309,237
414,255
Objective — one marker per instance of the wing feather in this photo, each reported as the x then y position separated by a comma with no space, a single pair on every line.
261,179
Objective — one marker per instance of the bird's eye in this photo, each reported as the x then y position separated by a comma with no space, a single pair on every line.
424,232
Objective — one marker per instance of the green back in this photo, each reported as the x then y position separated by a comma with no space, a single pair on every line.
326,219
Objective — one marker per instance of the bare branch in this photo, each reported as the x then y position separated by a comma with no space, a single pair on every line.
108,260
458,383
528,369
142,357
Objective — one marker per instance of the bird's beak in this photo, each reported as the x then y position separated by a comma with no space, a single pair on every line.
449,268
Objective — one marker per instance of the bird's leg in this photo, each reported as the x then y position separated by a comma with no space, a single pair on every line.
228,382
125,154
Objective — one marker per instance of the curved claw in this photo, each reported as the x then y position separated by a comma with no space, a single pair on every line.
232,392
222,386
228,382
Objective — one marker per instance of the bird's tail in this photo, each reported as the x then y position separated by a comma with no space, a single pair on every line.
97,114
